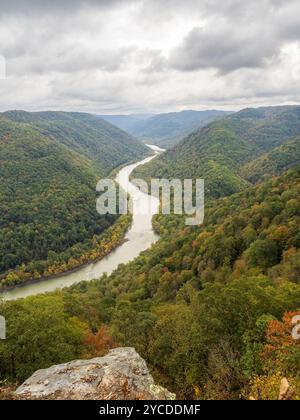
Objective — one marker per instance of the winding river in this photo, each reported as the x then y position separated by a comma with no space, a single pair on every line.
139,237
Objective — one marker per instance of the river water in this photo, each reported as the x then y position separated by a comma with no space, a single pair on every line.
139,237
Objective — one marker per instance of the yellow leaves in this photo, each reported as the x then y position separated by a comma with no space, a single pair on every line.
279,234
265,387
220,229
12,278
197,392
273,387
72,263
203,236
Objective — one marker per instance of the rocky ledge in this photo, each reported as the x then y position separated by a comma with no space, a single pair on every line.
120,375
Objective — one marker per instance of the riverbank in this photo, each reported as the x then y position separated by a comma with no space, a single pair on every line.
4,290
138,238
104,246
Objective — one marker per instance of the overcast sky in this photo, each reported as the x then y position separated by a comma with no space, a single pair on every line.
126,56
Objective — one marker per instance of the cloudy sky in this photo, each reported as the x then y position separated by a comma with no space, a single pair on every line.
125,56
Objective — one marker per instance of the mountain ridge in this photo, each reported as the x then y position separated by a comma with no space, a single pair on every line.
229,144
167,129
85,134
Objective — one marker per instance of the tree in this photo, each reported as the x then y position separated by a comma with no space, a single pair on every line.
263,253
98,344
39,334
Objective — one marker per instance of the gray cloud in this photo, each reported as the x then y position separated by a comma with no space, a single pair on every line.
238,35
70,61
33,6
149,55
222,50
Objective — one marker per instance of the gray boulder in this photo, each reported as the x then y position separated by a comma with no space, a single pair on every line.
120,375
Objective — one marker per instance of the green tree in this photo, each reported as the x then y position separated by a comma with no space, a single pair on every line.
263,253
39,334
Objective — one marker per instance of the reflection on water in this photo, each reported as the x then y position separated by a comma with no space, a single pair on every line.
139,237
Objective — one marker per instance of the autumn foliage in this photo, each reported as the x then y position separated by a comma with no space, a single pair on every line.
280,359
98,344
282,351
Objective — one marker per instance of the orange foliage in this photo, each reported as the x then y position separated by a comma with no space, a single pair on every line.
280,342
98,344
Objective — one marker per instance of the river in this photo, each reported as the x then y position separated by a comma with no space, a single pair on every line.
139,237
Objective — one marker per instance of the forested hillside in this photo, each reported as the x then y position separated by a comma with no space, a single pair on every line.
165,130
208,307
219,152
90,136
50,165
273,163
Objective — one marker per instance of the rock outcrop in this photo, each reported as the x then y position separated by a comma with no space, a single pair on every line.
120,375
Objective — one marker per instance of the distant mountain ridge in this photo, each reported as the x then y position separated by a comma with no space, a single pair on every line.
167,129
126,122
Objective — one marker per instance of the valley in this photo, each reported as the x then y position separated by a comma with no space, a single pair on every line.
208,307
150,203
164,130
50,165
231,153
139,237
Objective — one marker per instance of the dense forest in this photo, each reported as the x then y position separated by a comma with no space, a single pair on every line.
90,136
221,152
210,308
273,163
231,285
48,175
